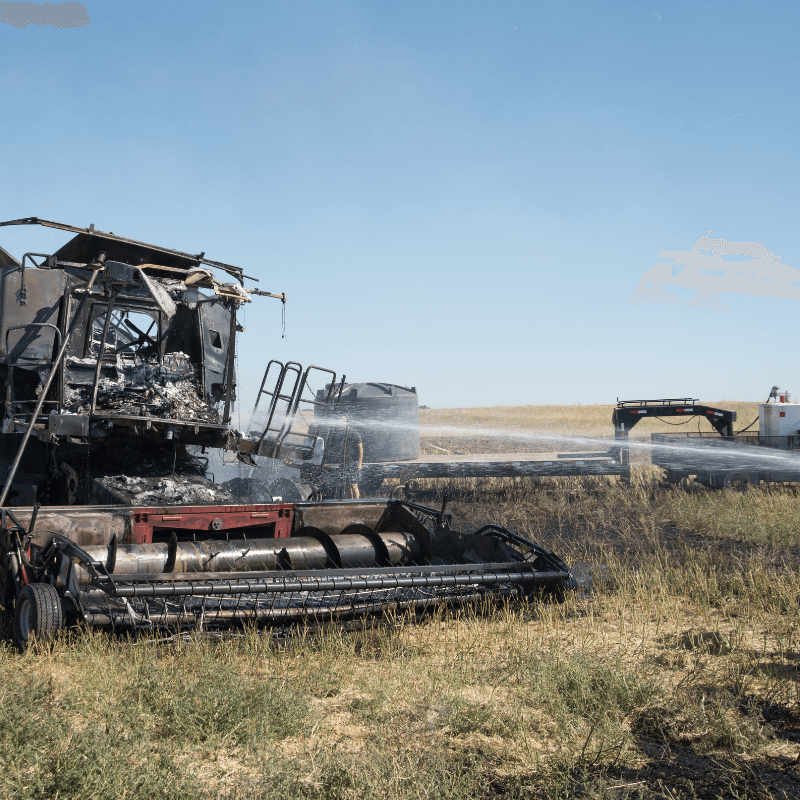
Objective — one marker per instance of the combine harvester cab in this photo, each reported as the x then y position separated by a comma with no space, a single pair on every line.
118,360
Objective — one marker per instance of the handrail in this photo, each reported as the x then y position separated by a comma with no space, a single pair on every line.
293,398
290,366
665,402
264,380
11,364
299,398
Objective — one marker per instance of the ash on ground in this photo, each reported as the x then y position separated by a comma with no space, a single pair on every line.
141,387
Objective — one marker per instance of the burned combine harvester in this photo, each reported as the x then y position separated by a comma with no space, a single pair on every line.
118,362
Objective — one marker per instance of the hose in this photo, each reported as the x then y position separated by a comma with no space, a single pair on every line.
747,428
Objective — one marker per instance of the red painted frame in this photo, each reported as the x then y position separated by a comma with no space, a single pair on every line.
145,519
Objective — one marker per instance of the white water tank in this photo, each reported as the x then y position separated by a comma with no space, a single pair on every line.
779,423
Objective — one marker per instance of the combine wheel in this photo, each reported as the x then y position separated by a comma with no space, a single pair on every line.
38,611
737,481
288,491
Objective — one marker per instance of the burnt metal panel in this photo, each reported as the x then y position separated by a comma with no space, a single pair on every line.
7,260
86,248
68,424
335,517
215,323
89,243
82,525
30,296
182,334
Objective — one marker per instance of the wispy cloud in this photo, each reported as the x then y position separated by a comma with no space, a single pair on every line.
713,267
54,15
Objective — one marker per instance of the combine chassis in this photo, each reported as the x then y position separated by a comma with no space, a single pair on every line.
118,359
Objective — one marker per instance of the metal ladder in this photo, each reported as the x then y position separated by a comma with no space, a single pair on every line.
289,382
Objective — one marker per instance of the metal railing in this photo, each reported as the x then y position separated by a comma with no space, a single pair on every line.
18,406
669,401
280,429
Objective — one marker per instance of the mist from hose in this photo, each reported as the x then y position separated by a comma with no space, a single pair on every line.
732,454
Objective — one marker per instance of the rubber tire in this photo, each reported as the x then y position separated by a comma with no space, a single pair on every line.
288,491
737,481
37,611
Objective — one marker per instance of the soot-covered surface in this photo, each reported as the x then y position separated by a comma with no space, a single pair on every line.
147,473
141,387
166,490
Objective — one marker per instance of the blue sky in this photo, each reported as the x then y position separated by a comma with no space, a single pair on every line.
459,197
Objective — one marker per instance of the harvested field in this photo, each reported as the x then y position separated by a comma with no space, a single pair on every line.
549,429
674,673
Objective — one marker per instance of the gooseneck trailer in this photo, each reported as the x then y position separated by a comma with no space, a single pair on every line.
721,458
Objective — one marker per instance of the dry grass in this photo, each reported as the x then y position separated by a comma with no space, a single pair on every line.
675,675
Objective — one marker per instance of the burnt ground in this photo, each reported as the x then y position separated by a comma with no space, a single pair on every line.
475,507
673,766
673,772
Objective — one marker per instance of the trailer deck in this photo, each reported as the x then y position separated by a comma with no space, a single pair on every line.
613,461
729,462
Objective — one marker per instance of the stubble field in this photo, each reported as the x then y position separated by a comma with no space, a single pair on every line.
674,673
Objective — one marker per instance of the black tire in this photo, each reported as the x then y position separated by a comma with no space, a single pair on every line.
288,491
737,481
37,611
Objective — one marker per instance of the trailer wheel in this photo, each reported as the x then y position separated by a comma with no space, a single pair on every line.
737,481
38,611
706,479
